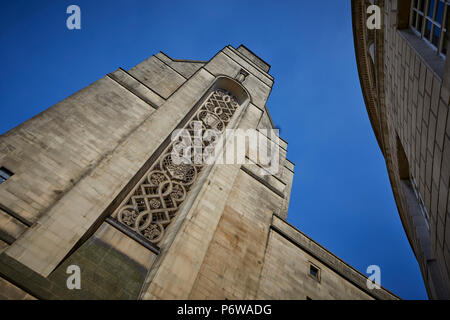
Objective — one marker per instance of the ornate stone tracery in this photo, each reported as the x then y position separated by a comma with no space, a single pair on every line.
154,202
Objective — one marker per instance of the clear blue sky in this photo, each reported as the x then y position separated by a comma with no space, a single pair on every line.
341,195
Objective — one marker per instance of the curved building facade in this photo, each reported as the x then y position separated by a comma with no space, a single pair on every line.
405,80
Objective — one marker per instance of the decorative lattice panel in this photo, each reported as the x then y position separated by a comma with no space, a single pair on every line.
154,201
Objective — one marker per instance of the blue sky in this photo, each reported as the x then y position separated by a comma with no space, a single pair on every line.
341,195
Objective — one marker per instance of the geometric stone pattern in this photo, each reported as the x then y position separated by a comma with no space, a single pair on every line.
154,202
225,242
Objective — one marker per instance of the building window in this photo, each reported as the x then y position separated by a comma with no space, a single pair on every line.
422,206
429,20
409,183
314,272
153,203
5,174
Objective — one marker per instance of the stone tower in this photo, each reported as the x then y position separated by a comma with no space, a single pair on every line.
90,184
405,78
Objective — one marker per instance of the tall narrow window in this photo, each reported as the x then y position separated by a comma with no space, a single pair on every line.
5,174
154,201
429,20
409,184
423,208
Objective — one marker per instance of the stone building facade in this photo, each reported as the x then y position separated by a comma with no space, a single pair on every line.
89,182
405,79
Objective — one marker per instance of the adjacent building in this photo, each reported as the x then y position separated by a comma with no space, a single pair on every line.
405,79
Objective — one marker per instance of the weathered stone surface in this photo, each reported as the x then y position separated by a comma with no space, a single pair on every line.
158,76
76,163
185,67
286,275
8,291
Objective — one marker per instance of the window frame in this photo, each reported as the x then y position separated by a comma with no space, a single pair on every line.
416,14
136,203
318,273
5,174
422,206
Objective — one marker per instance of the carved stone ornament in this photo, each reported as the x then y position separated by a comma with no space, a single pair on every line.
154,201
242,75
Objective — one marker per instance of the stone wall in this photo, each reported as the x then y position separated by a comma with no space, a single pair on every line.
417,106
406,86
75,163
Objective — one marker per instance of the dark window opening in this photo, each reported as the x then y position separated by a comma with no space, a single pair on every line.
314,271
409,182
403,13
5,174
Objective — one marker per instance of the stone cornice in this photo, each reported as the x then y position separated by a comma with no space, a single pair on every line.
346,271
362,40
371,76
